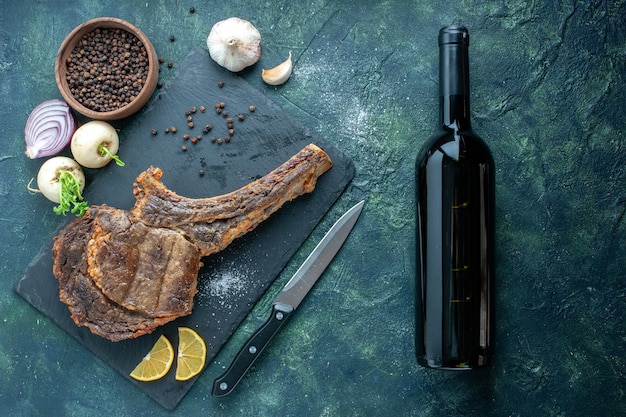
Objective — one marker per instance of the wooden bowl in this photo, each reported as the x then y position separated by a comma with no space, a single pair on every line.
61,69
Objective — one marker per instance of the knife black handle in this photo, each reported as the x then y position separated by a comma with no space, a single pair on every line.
251,350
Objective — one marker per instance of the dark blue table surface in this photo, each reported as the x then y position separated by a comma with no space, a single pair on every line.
547,96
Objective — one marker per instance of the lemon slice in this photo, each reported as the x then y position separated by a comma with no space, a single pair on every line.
156,363
191,354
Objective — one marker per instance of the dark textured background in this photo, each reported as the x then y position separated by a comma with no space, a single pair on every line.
547,96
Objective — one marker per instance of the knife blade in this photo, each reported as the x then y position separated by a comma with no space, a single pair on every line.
288,300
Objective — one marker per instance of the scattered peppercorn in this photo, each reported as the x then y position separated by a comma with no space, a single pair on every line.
220,84
219,106
166,130
170,64
154,132
172,38
184,148
192,10
201,173
161,59
159,85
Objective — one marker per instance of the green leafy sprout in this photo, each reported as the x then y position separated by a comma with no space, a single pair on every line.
105,151
70,197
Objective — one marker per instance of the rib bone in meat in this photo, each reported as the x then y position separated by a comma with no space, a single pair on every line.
124,273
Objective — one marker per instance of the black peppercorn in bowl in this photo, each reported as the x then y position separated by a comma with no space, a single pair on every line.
106,69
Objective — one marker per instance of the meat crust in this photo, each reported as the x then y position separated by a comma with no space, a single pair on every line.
124,273
87,304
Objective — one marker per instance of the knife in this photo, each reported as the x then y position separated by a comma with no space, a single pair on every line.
288,300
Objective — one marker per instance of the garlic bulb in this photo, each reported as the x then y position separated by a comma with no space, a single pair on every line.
234,44
279,74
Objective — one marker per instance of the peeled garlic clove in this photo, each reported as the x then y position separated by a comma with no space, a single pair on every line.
234,44
279,74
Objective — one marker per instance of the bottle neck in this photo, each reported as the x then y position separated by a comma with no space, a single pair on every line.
454,78
455,112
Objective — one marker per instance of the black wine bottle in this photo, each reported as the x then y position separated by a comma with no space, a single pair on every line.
455,194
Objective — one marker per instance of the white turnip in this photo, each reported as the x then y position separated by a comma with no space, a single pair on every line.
95,144
61,180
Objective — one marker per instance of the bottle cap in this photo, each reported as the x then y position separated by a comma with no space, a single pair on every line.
453,34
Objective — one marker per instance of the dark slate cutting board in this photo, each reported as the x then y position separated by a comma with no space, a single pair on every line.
231,282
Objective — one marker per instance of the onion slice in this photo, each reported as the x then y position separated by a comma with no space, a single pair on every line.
49,128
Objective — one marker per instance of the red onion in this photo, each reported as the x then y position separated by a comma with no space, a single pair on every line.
49,129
